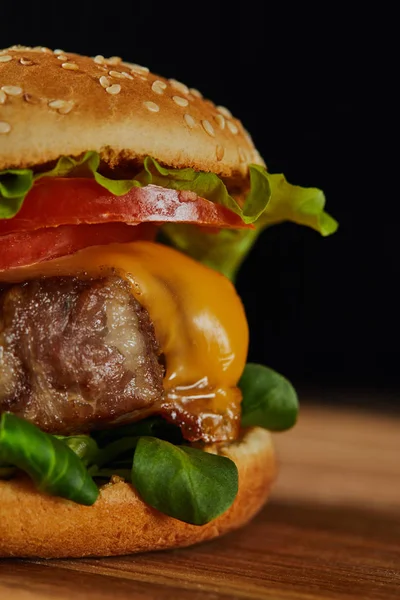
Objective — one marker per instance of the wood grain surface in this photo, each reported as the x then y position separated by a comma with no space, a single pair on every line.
331,530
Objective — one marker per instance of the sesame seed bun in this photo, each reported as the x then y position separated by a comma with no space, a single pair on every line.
59,103
36,525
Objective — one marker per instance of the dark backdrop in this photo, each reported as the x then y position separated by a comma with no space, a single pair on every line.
308,88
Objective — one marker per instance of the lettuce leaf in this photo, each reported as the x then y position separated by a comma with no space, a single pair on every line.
225,251
271,200
14,186
16,183
211,187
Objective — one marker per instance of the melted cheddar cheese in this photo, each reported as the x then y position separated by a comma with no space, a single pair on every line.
198,317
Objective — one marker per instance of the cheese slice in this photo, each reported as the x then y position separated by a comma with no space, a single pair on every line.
198,317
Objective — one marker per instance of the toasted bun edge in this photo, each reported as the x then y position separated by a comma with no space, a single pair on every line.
33,524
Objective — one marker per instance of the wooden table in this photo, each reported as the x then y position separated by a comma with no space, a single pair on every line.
331,530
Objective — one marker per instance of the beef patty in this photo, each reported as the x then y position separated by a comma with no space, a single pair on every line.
77,355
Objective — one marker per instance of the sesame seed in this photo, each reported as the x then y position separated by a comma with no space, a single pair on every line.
126,75
12,90
56,103
114,89
70,66
16,47
242,155
180,87
5,58
220,151
26,62
220,120
104,82
180,101
58,51
62,106
208,128
99,59
158,86
190,122
116,74
62,57
3,97
224,112
113,60
139,70
196,93
232,127
68,106
5,127
151,106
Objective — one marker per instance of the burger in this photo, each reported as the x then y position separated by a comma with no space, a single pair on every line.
129,419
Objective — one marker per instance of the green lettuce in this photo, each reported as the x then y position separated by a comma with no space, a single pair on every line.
14,186
225,250
271,200
16,183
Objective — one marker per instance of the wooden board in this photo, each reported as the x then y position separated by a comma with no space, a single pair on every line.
331,530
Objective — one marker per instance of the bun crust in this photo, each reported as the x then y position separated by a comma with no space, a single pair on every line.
54,104
36,525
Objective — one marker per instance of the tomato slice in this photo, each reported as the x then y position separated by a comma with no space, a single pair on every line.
29,247
61,201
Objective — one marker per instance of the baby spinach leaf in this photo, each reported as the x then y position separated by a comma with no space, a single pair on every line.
84,446
52,465
269,400
182,482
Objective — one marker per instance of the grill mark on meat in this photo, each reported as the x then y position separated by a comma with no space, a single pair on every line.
76,354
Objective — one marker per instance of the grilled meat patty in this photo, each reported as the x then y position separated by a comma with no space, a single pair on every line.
76,355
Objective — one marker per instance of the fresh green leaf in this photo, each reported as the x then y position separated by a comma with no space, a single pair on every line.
15,184
225,250
269,400
271,200
84,446
182,482
209,186
304,206
52,465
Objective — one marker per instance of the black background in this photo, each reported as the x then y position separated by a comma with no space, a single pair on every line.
311,88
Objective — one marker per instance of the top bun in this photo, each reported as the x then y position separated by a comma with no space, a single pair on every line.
58,103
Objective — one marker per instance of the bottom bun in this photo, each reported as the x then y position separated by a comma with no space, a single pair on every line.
33,524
